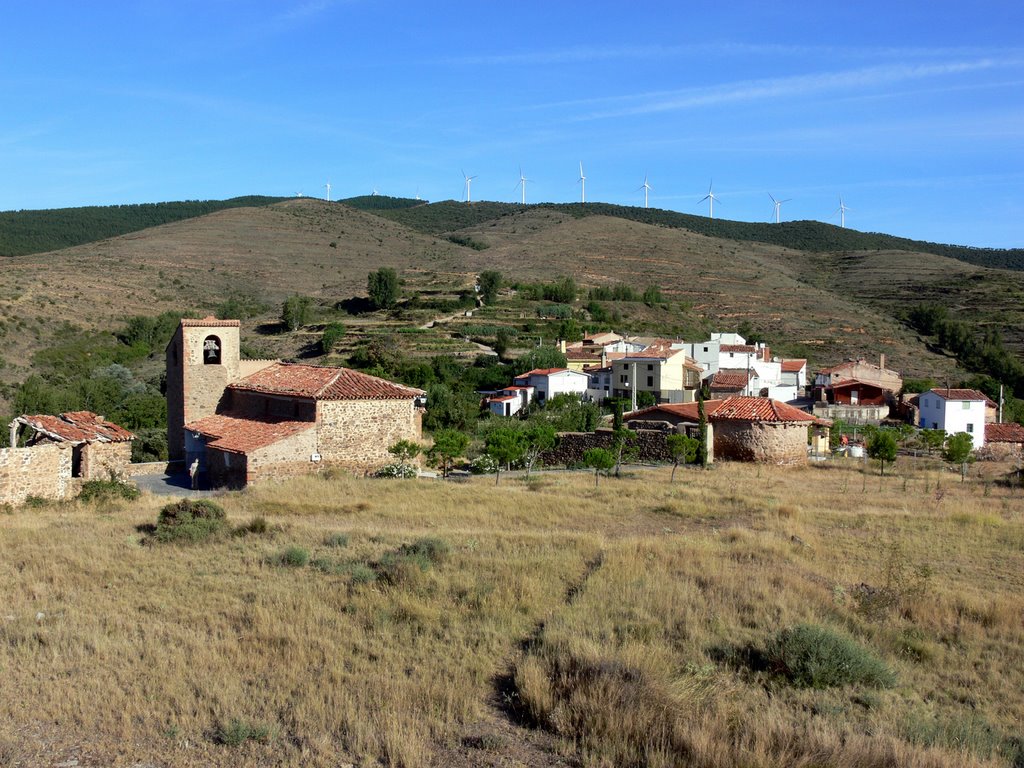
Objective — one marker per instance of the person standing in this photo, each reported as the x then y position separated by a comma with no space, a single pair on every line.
193,474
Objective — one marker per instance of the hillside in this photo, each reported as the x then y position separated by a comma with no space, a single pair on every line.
24,232
822,305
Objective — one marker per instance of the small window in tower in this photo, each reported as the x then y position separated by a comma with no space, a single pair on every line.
211,351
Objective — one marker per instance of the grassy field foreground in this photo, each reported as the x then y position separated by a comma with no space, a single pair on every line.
416,623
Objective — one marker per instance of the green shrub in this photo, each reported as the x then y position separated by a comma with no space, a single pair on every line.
292,557
360,573
237,732
809,656
401,569
108,490
36,502
336,540
435,550
258,526
189,520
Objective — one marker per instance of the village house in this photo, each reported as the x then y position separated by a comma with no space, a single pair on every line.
954,411
662,369
794,374
1004,441
741,428
600,387
509,401
857,391
551,382
60,453
249,420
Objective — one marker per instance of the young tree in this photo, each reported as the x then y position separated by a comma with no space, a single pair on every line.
624,447
405,451
490,283
933,439
502,341
683,450
332,334
296,312
382,286
505,445
882,445
541,357
449,444
958,451
601,459
540,437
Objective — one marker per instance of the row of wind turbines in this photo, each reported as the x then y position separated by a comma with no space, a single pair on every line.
710,197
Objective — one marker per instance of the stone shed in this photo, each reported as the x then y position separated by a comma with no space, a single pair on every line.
60,453
1003,442
740,428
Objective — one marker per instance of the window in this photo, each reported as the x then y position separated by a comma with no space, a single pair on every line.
705,349
924,403
650,381
970,429
211,350
935,425
967,405
650,367
623,379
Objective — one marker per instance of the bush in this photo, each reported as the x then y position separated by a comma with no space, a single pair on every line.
336,540
257,526
361,574
190,520
483,465
108,490
398,469
292,557
237,732
432,548
809,656
405,566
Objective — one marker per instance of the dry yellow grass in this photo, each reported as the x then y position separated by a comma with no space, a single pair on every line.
611,605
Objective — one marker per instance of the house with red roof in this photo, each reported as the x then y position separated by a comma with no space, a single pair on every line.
248,420
551,382
60,453
1004,441
662,369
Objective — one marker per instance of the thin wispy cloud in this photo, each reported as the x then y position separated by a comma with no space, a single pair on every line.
774,88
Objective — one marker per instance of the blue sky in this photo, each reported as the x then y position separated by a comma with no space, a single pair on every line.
913,112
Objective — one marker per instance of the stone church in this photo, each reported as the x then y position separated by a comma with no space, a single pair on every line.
250,420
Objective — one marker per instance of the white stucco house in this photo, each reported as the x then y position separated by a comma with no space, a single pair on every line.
551,382
954,410
509,401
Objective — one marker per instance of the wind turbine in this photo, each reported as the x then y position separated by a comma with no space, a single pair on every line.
710,196
327,186
583,183
522,183
646,188
469,181
778,205
841,210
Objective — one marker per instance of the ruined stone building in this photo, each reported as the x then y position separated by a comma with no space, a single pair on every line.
248,420
60,453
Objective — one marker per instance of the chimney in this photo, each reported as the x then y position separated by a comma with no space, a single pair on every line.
604,357
561,346
881,361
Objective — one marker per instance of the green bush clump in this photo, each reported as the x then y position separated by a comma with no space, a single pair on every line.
292,557
336,540
108,490
190,520
237,732
432,548
809,656
258,526
360,573
409,562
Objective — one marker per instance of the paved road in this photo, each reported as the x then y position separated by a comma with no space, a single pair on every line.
169,485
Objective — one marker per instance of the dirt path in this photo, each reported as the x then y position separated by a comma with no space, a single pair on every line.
430,324
504,736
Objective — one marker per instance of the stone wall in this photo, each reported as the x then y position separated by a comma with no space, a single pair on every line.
650,447
356,434
101,460
289,457
767,442
42,470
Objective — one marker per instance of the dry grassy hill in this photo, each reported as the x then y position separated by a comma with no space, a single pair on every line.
825,306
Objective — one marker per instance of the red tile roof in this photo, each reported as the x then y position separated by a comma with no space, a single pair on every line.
844,383
793,366
242,434
209,321
737,348
544,372
1004,433
961,394
730,378
759,409
322,383
77,427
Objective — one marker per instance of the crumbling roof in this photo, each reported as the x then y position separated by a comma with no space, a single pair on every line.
962,394
1004,433
77,427
844,383
793,366
243,434
209,322
748,348
323,383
